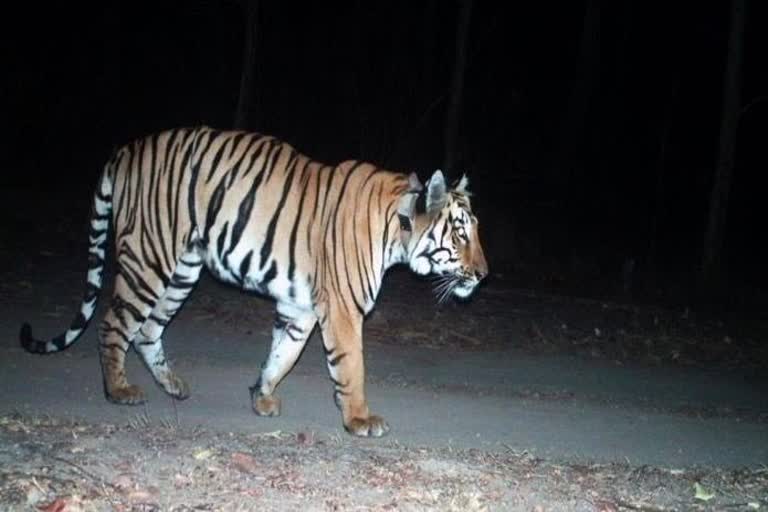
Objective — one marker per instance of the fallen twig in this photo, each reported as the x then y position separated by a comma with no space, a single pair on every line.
84,472
641,507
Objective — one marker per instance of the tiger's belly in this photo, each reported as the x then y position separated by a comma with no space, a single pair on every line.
269,279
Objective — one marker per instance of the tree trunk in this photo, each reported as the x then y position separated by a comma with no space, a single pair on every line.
721,184
246,106
450,135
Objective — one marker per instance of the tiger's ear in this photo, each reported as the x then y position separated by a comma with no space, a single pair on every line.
463,184
437,193
414,185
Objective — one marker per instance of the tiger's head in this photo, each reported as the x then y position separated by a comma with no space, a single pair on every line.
444,241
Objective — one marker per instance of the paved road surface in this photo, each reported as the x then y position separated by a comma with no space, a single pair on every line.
560,408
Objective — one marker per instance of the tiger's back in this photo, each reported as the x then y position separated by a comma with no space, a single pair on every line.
261,213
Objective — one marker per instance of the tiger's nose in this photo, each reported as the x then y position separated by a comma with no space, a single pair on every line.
480,274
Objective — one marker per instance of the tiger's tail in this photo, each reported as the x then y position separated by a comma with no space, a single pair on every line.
97,237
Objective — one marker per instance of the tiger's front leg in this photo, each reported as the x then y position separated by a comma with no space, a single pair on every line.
343,344
290,333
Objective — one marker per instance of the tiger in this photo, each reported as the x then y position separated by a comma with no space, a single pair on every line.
260,215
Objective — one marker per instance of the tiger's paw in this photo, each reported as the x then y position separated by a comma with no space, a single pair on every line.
127,395
177,387
266,405
372,426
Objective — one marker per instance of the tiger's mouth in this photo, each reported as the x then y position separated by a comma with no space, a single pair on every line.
465,287
459,285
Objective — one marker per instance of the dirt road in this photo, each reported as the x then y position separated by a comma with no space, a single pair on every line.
557,407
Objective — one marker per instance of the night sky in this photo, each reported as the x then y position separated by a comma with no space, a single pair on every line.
368,80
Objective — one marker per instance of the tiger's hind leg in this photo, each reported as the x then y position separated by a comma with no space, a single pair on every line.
127,313
148,341
139,288
290,333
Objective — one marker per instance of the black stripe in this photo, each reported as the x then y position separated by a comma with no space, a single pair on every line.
156,202
192,197
96,238
341,201
292,240
313,217
127,251
361,272
59,342
172,194
180,285
376,193
243,215
114,330
266,248
221,238
360,249
153,262
256,154
194,263
294,332
121,348
216,159
159,321
236,168
281,322
245,265
330,263
122,305
355,298
269,158
328,183
333,226
91,291
137,286
367,274
169,145
276,158
235,142
336,360
270,275
217,199
104,198
80,322
94,260
385,240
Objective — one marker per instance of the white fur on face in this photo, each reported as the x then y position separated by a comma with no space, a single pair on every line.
465,290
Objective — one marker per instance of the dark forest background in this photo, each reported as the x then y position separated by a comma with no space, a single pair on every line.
590,130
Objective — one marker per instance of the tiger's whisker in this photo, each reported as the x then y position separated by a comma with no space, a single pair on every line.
446,285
